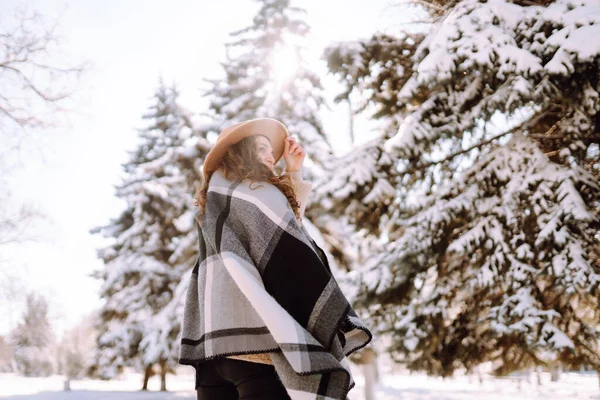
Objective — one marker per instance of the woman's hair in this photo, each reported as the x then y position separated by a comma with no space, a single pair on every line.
241,162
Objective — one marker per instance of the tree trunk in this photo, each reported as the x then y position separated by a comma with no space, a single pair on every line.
556,372
538,371
369,359
351,113
530,375
163,375
147,375
369,371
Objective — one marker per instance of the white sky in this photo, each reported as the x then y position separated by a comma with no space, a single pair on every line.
69,173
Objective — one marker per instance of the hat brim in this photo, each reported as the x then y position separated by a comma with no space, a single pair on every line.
274,130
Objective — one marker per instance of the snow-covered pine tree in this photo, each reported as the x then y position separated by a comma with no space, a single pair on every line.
350,201
361,186
492,237
152,244
33,339
266,75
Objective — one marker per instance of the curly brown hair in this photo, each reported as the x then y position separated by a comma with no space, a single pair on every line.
241,162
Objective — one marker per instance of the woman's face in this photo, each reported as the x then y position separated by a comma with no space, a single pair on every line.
264,151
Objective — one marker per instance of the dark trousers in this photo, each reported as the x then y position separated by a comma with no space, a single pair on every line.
229,379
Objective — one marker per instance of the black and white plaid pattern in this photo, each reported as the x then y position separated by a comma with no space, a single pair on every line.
262,285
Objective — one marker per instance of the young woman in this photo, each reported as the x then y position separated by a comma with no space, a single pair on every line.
264,317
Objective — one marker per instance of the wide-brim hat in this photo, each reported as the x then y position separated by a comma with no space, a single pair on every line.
274,130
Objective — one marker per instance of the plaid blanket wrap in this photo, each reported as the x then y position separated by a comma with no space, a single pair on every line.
262,285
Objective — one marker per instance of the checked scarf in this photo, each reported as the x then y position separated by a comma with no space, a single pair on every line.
262,285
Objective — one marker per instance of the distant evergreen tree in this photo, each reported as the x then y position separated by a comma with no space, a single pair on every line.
6,355
33,339
487,198
145,264
75,350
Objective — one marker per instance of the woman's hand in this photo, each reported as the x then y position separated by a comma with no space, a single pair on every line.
293,155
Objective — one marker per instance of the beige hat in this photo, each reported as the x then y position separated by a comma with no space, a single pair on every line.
271,128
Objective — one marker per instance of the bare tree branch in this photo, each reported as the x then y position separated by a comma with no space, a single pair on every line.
14,227
34,86
29,82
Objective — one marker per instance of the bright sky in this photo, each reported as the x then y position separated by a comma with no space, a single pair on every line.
69,173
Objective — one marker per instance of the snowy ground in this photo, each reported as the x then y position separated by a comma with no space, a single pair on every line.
398,387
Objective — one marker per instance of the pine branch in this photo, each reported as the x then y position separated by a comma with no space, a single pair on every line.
520,128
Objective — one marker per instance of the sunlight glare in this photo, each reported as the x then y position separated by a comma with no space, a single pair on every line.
285,64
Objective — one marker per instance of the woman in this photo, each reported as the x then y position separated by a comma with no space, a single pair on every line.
264,317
